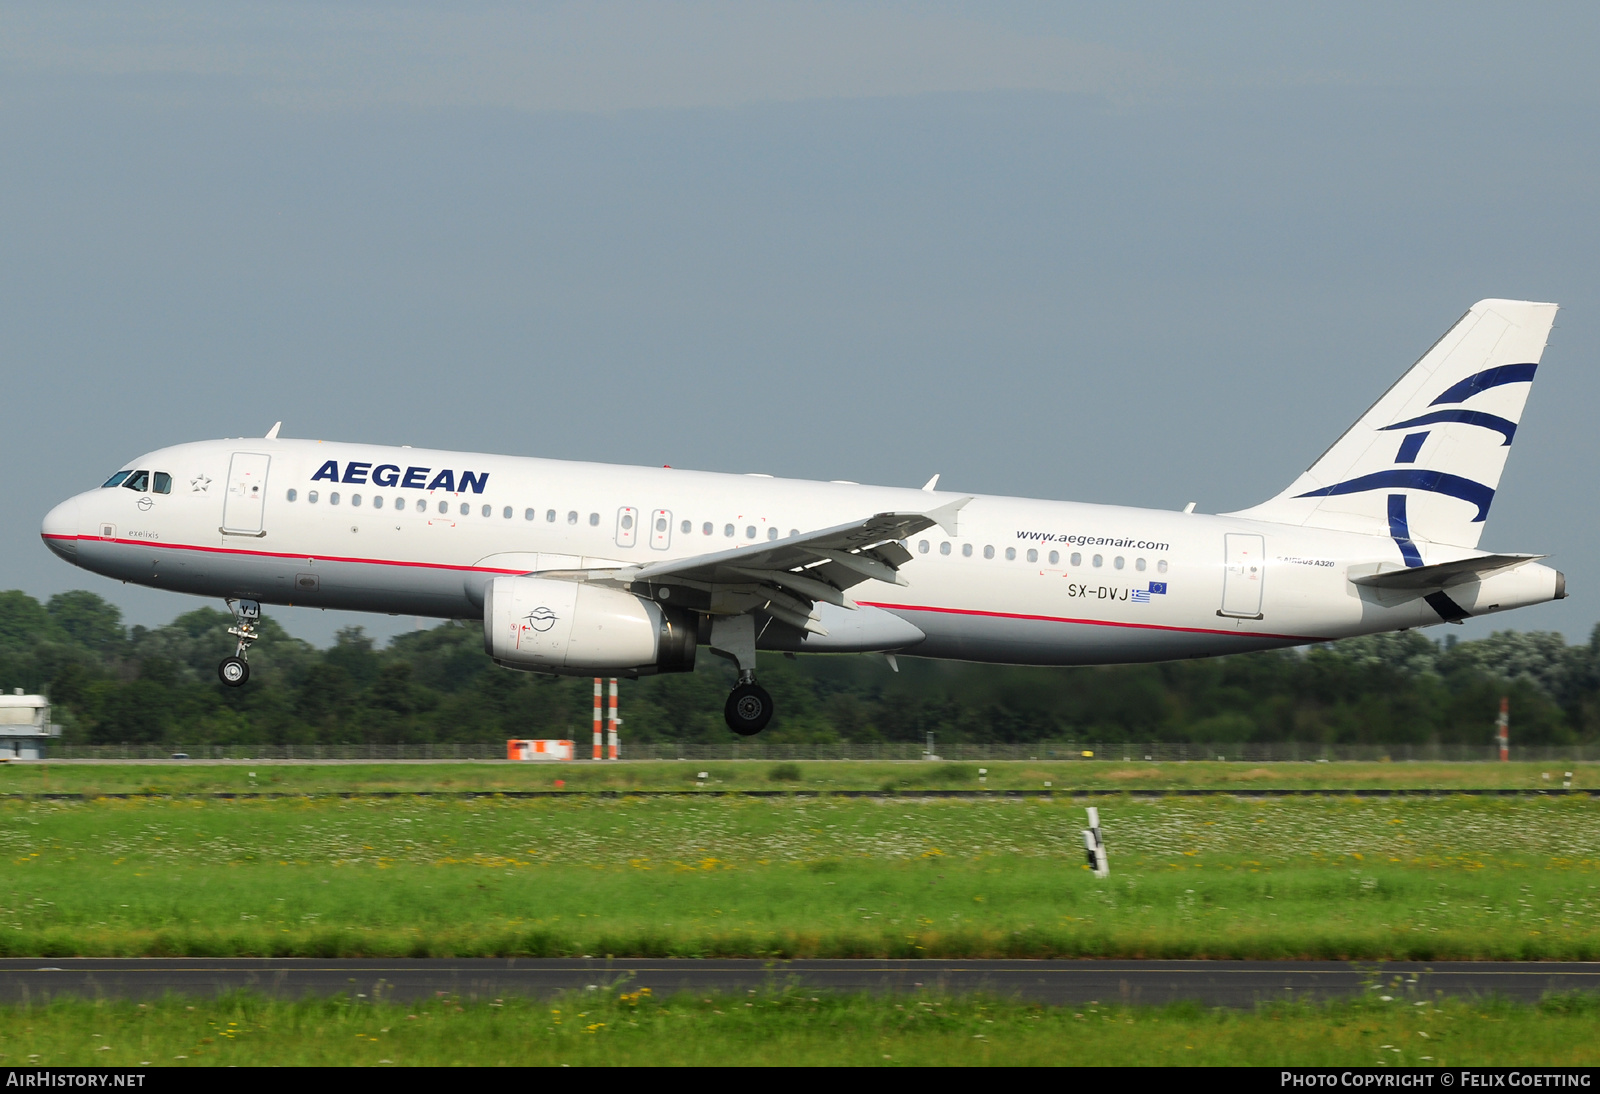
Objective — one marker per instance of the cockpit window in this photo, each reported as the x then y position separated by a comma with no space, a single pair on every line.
139,480
163,484
116,480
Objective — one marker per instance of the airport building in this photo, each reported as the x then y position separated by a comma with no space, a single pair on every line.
25,726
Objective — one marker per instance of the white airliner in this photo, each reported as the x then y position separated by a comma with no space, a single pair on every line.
588,569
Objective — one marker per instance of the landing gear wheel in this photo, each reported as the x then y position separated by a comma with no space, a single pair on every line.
234,671
749,710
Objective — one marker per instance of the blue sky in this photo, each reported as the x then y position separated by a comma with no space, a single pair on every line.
1143,254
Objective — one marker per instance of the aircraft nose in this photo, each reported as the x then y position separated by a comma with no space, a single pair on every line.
60,530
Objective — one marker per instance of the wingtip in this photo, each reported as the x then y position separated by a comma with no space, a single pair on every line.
947,515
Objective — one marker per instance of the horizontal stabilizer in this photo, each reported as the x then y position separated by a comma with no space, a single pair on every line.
1443,574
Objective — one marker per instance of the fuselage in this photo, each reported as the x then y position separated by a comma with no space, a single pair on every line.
419,532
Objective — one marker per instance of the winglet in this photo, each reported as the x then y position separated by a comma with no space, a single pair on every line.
931,484
945,516
272,434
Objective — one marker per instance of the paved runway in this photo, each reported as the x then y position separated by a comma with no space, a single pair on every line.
1213,983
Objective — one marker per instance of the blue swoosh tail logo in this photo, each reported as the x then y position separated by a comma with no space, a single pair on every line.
1433,482
1463,390
1400,530
1471,417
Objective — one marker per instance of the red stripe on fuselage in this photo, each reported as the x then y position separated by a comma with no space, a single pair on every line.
868,603
283,554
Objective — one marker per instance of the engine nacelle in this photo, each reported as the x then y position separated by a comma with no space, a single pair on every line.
571,628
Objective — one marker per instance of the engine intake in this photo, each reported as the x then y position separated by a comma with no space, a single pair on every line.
576,629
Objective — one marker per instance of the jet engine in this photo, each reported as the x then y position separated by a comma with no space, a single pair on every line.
575,629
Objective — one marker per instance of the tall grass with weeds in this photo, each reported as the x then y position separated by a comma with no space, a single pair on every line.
910,776
795,877
618,1026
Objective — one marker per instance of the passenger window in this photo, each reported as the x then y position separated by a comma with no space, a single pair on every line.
163,483
1011,554
686,527
1161,567
922,547
528,514
333,498
1098,561
444,507
1117,562
944,548
727,530
988,551
377,501
772,533
465,509
1138,564
1033,555
572,516
594,520
1076,559
355,500
705,529
794,532
661,524
399,504
311,497
505,513
116,480
966,550
750,531
140,481
627,522
293,494
488,511
550,516
1055,557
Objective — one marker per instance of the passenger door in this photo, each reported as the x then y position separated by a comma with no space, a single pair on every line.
1243,575
244,504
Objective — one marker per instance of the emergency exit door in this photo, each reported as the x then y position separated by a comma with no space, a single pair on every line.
1243,575
246,497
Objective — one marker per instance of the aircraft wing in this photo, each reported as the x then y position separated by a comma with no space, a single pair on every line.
787,577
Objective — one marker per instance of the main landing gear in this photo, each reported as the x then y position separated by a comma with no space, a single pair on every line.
749,706
235,671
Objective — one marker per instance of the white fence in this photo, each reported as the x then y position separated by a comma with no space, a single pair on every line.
757,749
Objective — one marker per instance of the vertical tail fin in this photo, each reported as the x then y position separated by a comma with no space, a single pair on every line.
1425,461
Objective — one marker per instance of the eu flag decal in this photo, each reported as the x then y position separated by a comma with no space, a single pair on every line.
1142,596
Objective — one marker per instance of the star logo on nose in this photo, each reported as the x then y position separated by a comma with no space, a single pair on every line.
199,483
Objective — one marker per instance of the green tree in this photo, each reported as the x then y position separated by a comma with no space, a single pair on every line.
88,619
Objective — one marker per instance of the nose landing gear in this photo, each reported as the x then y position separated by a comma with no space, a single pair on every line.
235,671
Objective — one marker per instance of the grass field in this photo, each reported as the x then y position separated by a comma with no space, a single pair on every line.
1429,879
280,777
620,1027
